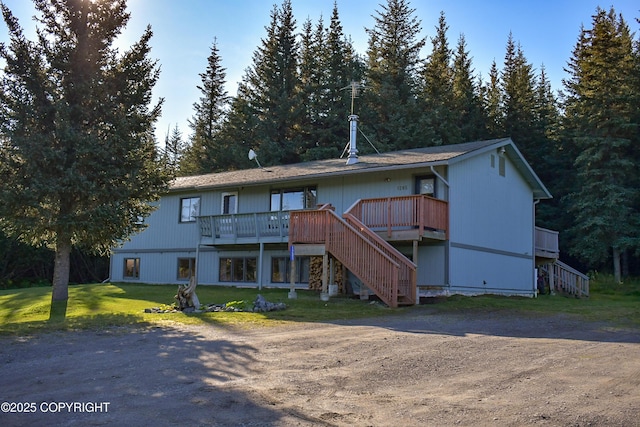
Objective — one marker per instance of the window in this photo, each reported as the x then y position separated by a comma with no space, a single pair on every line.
132,268
281,269
229,203
238,270
502,166
186,268
189,209
426,185
293,199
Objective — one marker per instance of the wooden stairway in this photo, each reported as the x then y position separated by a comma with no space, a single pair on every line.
565,279
380,266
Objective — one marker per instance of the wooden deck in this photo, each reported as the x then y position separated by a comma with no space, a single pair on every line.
360,240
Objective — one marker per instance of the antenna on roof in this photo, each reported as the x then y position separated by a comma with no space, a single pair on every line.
355,91
254,156
353,126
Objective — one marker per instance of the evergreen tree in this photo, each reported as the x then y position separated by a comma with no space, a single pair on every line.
492,100
78,161
312,81
602,116
467,103
207,152
174,147
339,65
389,105
271,91
437,92
518,83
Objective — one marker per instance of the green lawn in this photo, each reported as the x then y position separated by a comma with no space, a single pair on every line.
106,305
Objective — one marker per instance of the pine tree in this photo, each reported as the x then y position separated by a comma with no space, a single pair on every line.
78,160
601,106
437,90
389,106
207,152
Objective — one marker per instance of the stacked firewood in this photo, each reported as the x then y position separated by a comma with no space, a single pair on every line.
315,274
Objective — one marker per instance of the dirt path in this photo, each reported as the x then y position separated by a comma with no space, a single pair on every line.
411,370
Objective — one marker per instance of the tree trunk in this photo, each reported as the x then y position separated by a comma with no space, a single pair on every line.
60,291
616,265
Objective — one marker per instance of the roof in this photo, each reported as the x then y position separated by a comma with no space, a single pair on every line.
413,158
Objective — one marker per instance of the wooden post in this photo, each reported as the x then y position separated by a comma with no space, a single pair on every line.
292,286
324,294
415,261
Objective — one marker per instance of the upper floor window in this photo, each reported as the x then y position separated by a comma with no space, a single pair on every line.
229,203
189,209
294,199
426,185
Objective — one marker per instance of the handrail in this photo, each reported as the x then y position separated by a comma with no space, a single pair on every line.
567,279
407,269
415,211
364,259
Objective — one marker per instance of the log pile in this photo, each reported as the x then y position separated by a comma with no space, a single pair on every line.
315,274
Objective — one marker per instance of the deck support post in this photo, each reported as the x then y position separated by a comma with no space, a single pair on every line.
260,257
415,261
324,294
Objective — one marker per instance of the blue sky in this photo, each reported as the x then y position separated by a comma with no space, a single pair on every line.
184,31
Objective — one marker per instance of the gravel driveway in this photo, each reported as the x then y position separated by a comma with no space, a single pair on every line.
416,369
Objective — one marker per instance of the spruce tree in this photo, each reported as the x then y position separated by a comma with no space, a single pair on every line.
602,117
492,101
271,91
518,83
339,66
207,151
467,103
78,160
390,110
437,90
174,147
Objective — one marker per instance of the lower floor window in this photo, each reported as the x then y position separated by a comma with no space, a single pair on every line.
281,269
132,268
238,269
186,268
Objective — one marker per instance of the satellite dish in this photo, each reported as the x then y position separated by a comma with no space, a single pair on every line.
254,156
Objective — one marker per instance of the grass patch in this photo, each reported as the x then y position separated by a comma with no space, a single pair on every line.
100,306
618,304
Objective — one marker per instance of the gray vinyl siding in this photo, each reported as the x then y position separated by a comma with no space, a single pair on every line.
491,227
491,223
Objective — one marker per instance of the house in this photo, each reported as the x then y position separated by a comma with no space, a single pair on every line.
406,224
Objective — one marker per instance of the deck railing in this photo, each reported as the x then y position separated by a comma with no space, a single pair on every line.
407,270
348,244
566,279
393,213
256,225
547,242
